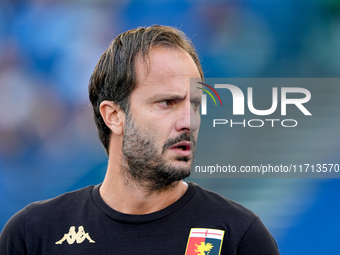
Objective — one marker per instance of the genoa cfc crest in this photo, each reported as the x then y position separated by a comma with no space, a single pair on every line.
204,241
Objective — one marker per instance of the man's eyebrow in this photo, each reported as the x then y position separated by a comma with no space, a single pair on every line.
167,96
195,99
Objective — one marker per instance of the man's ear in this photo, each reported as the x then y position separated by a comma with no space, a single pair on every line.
113,116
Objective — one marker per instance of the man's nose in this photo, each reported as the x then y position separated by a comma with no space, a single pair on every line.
189,120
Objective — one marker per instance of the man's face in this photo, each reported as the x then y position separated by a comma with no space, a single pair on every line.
161,128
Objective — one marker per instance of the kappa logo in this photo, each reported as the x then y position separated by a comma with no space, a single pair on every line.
204,241
73,236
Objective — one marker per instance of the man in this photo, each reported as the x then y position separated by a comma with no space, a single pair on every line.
148,119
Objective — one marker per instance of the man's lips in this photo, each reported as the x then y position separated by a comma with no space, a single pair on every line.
182,148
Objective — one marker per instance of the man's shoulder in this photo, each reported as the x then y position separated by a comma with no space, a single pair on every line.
219,205
68,198
246,232
45,209
75,196
38,219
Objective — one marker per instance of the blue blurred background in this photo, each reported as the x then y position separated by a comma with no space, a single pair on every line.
48,50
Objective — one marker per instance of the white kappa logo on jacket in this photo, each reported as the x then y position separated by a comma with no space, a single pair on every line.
73,236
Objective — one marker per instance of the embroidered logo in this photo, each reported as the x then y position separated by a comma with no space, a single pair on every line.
73,236
204,241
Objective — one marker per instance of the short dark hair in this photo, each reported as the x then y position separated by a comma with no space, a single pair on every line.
114,77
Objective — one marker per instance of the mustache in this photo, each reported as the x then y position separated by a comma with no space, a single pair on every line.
184,137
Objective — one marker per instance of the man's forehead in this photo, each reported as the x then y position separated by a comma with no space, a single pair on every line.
165,74
164,61
196,85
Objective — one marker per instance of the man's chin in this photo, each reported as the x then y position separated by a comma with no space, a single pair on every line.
181,163
177,174
182,169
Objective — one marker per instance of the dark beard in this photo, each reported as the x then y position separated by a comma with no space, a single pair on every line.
146,167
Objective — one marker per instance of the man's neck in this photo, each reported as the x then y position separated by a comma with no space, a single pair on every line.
128,197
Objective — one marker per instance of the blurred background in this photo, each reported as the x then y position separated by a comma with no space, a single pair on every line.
48,140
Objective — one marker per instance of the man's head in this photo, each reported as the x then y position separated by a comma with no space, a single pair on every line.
145,109
114,77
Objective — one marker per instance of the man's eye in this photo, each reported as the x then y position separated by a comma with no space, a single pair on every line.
168,102
196,105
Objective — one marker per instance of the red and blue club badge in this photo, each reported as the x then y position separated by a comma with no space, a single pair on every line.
204,241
